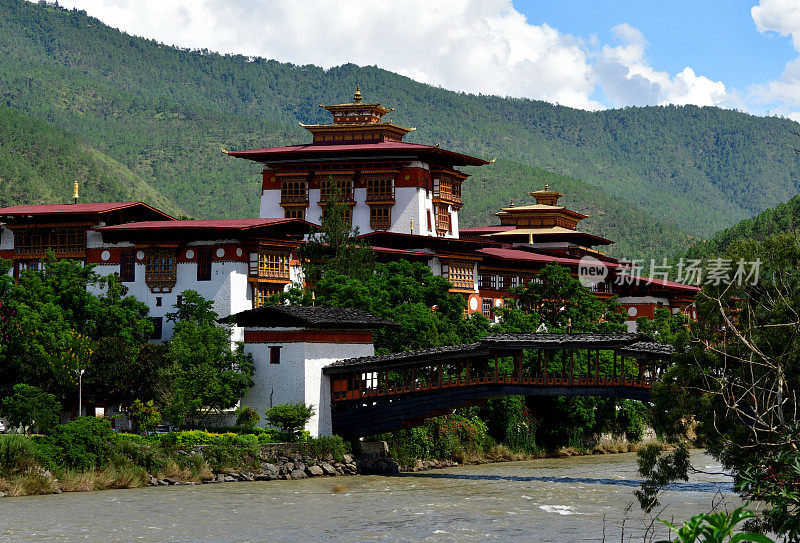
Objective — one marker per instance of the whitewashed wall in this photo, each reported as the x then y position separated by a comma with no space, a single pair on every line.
298,377
228,289
271,205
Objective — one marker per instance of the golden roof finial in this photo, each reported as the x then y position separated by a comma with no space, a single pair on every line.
546,186
75,192
357,96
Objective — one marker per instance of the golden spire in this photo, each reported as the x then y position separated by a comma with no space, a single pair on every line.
546,186
357,96
75,192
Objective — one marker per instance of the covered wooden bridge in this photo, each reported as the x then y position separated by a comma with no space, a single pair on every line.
381,393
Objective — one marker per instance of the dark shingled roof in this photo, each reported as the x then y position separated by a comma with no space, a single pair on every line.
561,341
408,357
648,349
638,345
278,316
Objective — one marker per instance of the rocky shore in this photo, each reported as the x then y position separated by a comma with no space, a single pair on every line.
289,467
376,462
296,466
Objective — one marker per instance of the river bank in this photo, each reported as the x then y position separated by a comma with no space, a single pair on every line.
201,458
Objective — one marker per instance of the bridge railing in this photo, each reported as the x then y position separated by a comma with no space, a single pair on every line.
594,369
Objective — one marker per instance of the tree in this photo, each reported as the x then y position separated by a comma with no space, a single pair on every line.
562,303
144,416
336,249
737,372
291,417
55,318
247,417
206,375
407,293
30,407
716,528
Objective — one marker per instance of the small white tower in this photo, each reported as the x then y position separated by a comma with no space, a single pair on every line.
291,345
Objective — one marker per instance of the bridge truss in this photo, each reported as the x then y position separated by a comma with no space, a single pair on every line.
383,393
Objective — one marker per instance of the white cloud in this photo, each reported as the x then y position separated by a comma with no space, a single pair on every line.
783,17
480,46
627,77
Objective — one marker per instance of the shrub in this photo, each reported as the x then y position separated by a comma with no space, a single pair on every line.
31,407
333,445
456,433
145,452
17,455
232,451
84,443
269,435
247,417
510,422
291,418
716,528
520,432
144,416
193,438
441,437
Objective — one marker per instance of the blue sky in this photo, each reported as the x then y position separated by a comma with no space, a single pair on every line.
717,38
585,54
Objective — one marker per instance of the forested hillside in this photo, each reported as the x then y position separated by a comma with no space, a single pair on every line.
39,163
164,113
783,218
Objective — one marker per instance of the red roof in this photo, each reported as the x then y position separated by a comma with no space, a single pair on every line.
528,256
486,229
513,254
221,224
407,252
268,154
89,208
666,284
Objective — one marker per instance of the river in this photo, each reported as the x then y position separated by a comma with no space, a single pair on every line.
559,499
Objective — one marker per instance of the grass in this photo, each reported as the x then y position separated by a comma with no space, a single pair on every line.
39,465
28,484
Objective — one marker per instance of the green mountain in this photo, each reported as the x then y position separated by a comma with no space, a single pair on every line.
164,112
783,218
40,162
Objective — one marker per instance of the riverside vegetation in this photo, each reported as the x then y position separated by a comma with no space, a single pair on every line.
87,454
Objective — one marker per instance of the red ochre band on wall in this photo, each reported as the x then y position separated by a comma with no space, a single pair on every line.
95,256
307,336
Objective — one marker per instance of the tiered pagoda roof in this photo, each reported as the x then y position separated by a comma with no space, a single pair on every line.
356,121
542,222
357,133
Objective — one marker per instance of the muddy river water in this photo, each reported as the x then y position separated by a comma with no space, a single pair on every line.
563,499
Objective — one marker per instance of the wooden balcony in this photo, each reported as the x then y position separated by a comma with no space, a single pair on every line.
294,200
380,224
58,252
383,197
